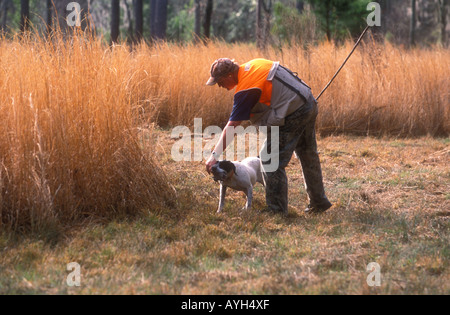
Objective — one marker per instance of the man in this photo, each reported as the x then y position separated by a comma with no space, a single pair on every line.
268,94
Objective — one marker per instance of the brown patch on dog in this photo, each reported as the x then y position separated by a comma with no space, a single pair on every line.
229,167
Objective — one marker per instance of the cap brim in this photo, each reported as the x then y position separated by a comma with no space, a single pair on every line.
211,81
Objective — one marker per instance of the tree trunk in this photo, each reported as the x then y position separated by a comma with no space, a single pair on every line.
115,21
444,10
380,32
198,20
139,19
4,7
129,11
267,18
412,31
152,18
159,16
208,17
263,15
24,15
259,26
49,22
300,6
328,20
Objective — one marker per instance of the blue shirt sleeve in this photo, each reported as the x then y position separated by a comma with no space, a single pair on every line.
244,101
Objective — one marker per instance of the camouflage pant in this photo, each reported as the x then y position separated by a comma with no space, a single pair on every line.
297,135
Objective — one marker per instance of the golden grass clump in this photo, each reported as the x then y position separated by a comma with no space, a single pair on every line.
383,89
70,146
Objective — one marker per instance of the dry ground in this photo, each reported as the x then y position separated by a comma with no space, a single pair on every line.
392,206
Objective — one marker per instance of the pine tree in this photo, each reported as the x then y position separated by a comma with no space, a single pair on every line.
340,17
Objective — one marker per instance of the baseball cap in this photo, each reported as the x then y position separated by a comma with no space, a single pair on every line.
220,68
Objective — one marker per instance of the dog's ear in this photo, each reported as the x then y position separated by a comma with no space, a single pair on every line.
227,166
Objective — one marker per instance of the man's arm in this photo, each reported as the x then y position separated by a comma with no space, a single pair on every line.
226,137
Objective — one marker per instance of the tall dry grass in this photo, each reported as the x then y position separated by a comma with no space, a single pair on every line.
71,111
383,90
70,146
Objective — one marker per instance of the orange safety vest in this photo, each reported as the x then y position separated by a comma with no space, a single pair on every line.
267,92
253,75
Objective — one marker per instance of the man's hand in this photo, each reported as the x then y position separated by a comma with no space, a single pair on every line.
223,143
210,163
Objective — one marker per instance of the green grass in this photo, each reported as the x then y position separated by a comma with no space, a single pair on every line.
391,207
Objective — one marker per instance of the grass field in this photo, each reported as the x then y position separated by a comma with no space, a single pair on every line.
392,201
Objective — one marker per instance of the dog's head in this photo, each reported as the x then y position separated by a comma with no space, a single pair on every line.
223,170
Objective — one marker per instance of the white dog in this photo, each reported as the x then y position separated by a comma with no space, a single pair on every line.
241,176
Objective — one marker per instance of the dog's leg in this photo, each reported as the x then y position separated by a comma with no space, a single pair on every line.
223,191
249,194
